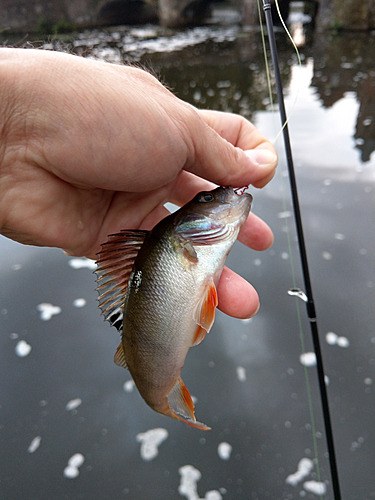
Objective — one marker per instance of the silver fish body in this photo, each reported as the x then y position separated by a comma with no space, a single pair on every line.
159,289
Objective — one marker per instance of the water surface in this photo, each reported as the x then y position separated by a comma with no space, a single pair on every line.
71,424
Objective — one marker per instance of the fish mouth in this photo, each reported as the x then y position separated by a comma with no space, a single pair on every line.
238,204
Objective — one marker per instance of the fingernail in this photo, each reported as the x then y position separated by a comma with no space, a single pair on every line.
261,157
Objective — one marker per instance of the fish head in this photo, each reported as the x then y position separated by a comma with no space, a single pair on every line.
213,215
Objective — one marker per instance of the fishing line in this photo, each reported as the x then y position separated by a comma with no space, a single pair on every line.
308,295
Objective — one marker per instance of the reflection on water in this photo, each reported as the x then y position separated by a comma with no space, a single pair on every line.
346,64
224,68
71,424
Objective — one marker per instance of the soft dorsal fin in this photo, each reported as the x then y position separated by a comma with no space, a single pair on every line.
115,265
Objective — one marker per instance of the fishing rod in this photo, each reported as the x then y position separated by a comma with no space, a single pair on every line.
308,295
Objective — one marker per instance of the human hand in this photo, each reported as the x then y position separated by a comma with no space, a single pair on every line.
89,148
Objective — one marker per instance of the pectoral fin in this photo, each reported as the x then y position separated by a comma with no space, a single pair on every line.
182,405
204,313
199,335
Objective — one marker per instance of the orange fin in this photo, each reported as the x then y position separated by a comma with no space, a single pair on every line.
120,359
199,335
204,314
196,424
115,265
182,405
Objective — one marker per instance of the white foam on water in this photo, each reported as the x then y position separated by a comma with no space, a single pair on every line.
71,472
316,487
305,466
308,359
340,236
327,255
150,442
343,342
75,461
368,381
34,445
47,311
331,338
224,450
22,349
129,386
79,302
16,267
284,215
82,263
241,373
73,404
188,485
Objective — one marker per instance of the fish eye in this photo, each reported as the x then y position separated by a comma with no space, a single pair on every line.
205,197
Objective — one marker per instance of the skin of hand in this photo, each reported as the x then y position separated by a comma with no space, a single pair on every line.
89,148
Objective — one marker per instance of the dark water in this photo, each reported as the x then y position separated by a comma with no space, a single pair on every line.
262,402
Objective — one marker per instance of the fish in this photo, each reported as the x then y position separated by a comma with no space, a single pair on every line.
159,289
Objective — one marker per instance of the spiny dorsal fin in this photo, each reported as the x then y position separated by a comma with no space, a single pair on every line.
115,265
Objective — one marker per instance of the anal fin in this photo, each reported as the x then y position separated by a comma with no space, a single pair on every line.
182,405
119,358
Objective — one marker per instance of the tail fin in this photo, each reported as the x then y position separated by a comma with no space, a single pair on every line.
182,406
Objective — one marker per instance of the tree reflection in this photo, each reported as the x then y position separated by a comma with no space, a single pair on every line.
346,64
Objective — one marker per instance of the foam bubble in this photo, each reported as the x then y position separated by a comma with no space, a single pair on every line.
343,342
22,349
79,302
284,215
150,442
75,461
241,373
331,338
47,311
316,487
188,484
34,445
71,472
129,386
308,359
340,236
73,404
224,450
327,255
305,466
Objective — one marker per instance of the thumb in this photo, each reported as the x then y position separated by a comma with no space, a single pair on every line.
229,150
